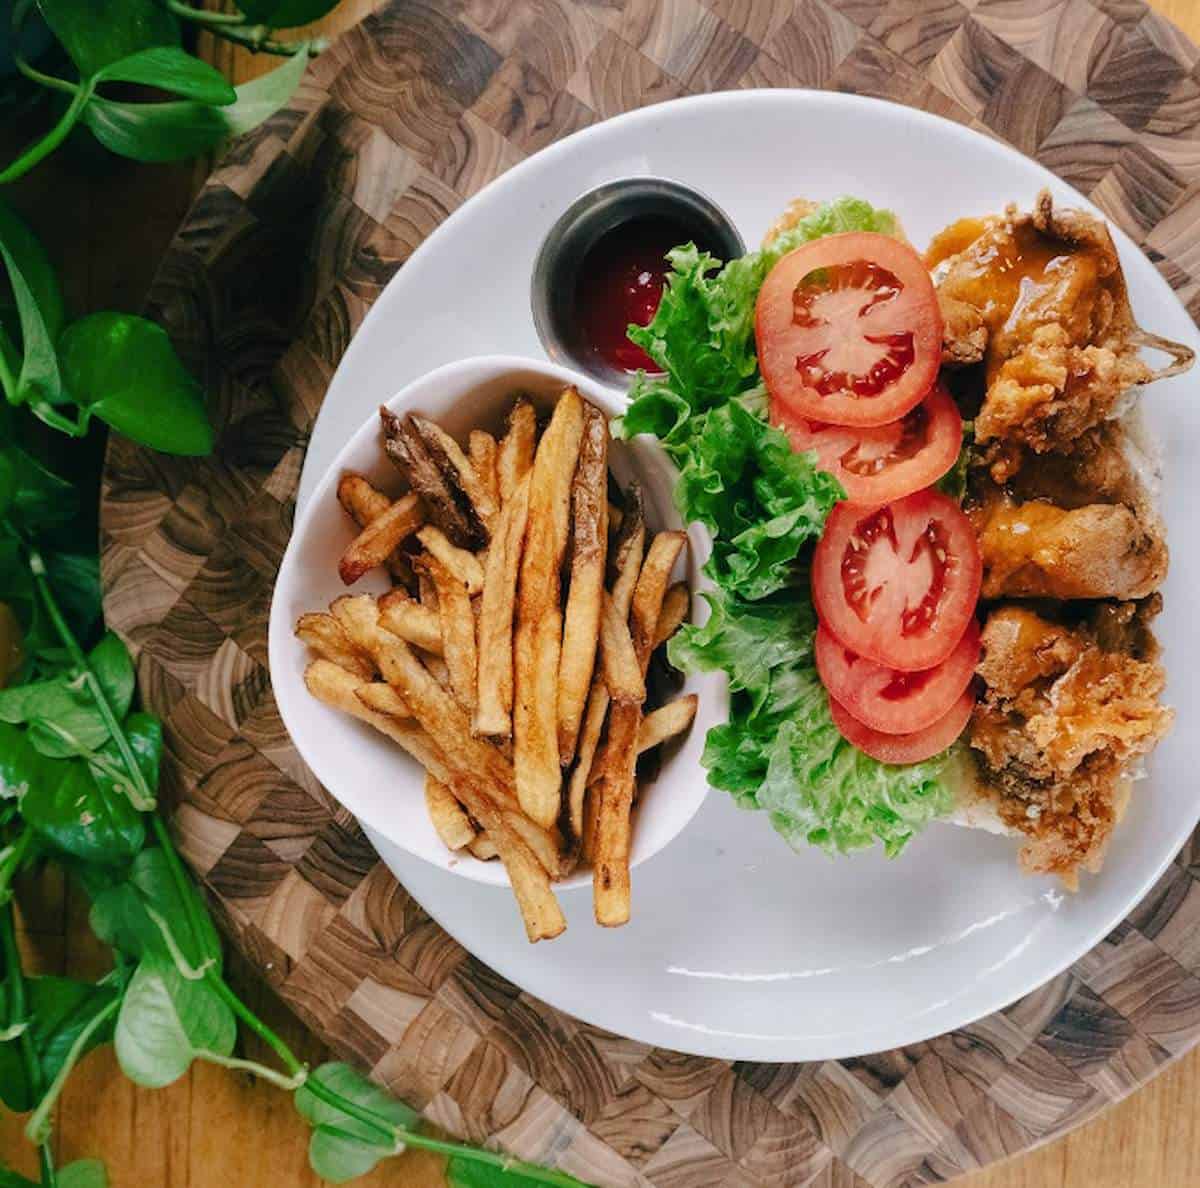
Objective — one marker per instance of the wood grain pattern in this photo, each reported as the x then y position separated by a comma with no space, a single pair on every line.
183,544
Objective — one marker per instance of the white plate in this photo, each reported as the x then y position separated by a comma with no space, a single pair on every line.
381,786
738,947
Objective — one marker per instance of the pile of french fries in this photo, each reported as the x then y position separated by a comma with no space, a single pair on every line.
510,656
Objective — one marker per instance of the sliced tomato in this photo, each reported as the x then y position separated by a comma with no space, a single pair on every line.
898,584
904,748
890,701
877,465
849,329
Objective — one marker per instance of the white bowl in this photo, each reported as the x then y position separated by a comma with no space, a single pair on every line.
366,772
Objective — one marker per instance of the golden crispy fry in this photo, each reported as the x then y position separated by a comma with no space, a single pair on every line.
458,561
458,629
581,618
438,441
411,621
539,613
515,458
543,843
675,606
324,634
452,824
615,768
483,848
340,690
493,714
580,806
482,450
439,672
430,704
666,722
380,697
375,543
530,881
625,563
364,502
618,659
615,518
651,589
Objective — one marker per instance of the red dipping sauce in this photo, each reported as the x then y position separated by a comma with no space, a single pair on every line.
620,281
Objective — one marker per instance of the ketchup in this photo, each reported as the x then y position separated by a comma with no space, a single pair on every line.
621,281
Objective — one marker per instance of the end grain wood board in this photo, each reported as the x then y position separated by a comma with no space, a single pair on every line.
279,260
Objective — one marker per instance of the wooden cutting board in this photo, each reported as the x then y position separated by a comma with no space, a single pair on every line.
279,260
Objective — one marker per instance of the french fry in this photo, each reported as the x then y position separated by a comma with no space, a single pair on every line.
481,448
624,565
615,517
616,764
411,621
530,881
325,636
493,715
340,690
380,697
429,703
456,467
581,618
666,722
580,821
618,659
364,502
515,458
432,476
458,561
676,604
361,499
452,825
439,672
427,593
458,629
376,542
625,562
483,848
539,614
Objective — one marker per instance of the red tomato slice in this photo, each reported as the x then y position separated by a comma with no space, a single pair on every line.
880,464
849,329
904,748
896,702
898,584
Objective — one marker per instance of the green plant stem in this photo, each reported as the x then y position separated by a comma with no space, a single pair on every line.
200,16
257,39
37,566
541,1175
10,862
14,978
20,14
44,147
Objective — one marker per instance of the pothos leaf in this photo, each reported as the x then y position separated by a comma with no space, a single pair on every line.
262,97
171,69
342,1147
59,1010
166,1021
39,379
97,34
120,918
70,812
35,267
124,370
83,1173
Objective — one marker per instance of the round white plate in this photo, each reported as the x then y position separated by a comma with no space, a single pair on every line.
740,948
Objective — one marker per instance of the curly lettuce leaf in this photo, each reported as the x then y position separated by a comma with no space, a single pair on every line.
764,505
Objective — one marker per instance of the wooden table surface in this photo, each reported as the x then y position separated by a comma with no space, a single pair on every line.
215,1128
